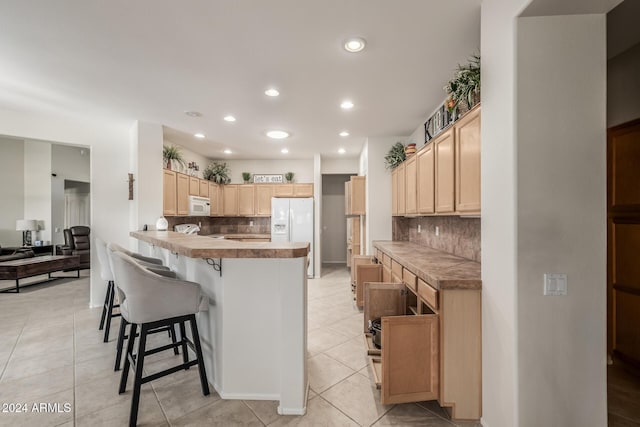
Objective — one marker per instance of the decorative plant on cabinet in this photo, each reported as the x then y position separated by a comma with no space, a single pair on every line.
217,172
171,154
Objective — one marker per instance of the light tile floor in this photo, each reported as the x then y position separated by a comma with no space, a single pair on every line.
52,352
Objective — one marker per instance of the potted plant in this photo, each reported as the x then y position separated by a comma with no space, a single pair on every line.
395,156
170,154
289,176
217,172
246,176
465,86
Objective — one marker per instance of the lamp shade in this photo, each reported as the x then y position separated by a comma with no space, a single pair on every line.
26,225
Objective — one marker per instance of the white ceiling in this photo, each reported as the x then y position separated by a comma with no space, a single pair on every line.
151,60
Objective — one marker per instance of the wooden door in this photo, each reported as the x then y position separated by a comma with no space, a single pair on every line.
215,199
204,188
401,189
444,172
425,186
303,190
194,186
383,299
169,193
394,192
245,200
230,200
182,198
358,189
366,273
411,200
623,245
467,154
264,193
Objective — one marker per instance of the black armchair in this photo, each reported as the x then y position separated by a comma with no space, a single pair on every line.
77,242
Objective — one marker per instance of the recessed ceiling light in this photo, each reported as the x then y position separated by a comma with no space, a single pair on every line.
284,151
271,92
229,118
342,150
344,133
354,44
193,113
226,151
277,134
199,135
346,105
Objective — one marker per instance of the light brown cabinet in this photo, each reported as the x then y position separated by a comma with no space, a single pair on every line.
204,188
401,189
263,193
467,154
246,200
169,193
353,239
303,190
444,148
182,198
230,200
293,190
283,190
424,180
215,199
394,192
411,180
357,195
194,186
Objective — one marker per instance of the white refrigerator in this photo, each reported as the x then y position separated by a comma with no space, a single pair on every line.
292,221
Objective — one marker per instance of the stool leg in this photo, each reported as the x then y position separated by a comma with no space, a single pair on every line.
172,335
104,306
112,295
121,334
127,363
137,382
185,353
196,343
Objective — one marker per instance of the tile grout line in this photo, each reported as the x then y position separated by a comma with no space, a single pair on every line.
13,349
336,408
73,358
254,413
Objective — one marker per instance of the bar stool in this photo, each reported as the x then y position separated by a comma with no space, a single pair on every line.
149,301
152,264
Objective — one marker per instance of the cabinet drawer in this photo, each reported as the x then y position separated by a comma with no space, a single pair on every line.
410,280
386,261
386,274
428,294
396,269
379,256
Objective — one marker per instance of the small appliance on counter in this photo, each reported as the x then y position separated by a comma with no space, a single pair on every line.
186,228
162,224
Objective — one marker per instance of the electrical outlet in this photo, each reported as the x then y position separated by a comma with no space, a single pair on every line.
419,229
437,230
250,223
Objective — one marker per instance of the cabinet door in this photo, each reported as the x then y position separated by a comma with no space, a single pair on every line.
410,359
355,232
365,273
383,299
264,193
411,196
215,199
245,199
425,184
182,182
468,163
230,200
303,190
394,192
283,190
444,172
204,188
358,188
194,186
169,193
347,198
401,189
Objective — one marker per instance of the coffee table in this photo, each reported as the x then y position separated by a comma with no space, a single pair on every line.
28,267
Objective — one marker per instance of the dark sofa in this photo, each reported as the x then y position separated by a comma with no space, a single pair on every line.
12,253
77,242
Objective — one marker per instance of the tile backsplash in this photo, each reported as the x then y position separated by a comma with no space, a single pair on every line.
224,225
456,235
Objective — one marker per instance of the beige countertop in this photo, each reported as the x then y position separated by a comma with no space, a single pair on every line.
439,269
243,235
194,246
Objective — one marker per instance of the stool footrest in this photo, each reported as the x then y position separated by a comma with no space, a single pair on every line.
168,371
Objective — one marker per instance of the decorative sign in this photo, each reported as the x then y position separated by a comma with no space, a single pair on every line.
265,179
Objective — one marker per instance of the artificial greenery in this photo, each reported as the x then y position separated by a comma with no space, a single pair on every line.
289,176
465,86
246,176
172,153
395,156
217,172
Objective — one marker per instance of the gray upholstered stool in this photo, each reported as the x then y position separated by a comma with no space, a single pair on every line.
149,301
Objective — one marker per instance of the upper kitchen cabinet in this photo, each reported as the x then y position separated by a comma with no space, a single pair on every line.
169,193
182,198
283,190
355,195
424,180
411,195
204,188
401,189
394,192
467,155
444,149
303,190
246,200
263,195
194,186
215,199
230,200
293,190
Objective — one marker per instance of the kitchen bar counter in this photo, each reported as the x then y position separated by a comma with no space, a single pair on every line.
254,333
194,246
439,269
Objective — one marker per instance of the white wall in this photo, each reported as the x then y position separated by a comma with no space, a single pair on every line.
303,169
37,186
623,87
499,322
561,219
189,156
342,165
11,190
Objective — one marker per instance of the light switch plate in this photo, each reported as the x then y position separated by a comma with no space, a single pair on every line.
555,284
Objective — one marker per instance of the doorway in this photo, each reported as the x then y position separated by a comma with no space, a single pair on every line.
334,220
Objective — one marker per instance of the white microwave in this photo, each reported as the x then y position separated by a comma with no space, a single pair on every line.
199,206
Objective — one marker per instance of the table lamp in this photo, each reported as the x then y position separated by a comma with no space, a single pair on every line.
26,226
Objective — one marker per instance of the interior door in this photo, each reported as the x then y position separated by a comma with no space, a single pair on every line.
623,241
77,209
